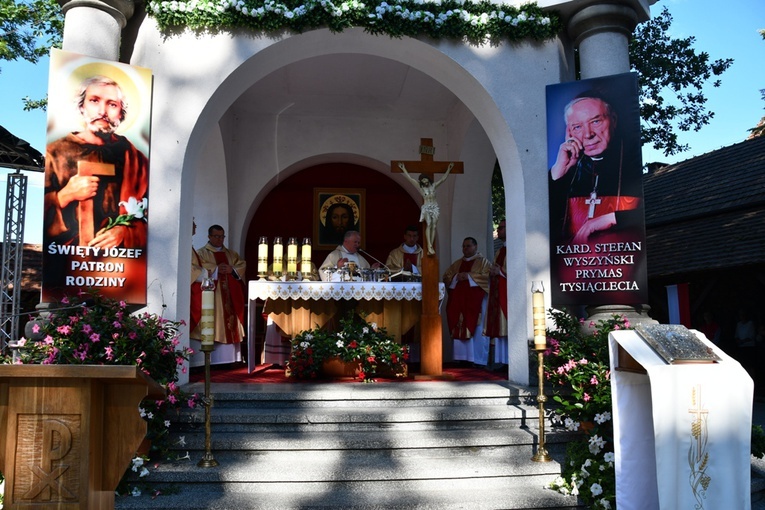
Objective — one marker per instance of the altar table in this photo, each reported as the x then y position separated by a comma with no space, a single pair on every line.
299,306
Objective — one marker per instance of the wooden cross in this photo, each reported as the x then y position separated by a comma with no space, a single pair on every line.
431,355
85,207
426,165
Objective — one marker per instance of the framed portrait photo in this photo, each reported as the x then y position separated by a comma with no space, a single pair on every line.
336,211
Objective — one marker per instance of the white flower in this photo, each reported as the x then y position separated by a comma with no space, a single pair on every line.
587,463
602,418
596,489
309,336
571,425
609,457
181,441
365,330
135,492
605,503
134,207
374,326
167,424
144,472
340,344
136,463
596,444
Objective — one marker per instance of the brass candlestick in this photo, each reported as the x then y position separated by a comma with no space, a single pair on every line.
207,459
540,345
541,455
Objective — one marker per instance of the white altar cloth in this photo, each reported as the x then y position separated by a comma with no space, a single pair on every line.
397,291
682,432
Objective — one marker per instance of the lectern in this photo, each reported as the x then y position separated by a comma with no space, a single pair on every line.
682,422
69,432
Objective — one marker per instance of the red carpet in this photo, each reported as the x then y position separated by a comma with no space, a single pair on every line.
267,374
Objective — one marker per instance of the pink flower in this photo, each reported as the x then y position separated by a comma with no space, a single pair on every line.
48,340
586,397
594,381
192,403
65,300
87,329
35,328
95,337
109,353
65,329
117,324
172,398
123,304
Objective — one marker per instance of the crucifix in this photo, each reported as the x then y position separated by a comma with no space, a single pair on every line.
593,200
431,363
85,207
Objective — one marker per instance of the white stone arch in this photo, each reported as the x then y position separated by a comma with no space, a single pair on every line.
478,76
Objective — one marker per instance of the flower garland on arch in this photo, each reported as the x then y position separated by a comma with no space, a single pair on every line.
475,21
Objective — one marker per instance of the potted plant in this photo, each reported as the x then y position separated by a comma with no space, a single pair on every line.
366,347
93,330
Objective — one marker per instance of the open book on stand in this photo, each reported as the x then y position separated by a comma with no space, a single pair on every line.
675,344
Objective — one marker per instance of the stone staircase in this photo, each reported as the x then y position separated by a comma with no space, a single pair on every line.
413,445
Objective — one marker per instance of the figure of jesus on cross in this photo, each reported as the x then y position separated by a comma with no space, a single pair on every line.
429,211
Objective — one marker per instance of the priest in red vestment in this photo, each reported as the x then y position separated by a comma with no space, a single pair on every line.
228,273
467,281
495,324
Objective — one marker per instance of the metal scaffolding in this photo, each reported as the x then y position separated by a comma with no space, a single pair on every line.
13,250
16,154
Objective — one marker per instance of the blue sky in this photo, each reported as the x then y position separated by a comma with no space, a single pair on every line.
728,30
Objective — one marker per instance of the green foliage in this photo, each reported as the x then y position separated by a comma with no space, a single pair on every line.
758,441
356,340
671,68
577,365
29,29
477,22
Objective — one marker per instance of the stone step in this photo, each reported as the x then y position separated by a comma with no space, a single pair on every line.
365,446
367,440
511,493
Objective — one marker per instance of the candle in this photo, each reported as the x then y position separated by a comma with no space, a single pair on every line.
278,256
207,323
538,311
305,256
292,255
262,256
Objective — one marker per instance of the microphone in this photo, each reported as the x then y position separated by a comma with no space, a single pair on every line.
371,257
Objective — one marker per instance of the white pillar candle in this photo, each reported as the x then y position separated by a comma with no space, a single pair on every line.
207,323
278,256
538,311
263,256
292,256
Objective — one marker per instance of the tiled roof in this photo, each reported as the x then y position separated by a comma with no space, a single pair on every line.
707,212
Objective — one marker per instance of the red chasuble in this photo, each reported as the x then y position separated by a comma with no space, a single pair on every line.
232,298
496,309
464,306
195,315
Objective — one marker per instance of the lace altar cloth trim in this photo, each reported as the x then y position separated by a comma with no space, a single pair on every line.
333,291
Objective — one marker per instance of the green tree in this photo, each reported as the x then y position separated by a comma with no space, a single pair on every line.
671,75
759,129
28,29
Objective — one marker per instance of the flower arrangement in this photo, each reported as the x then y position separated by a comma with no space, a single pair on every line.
93,330
577,365
476,20
356,340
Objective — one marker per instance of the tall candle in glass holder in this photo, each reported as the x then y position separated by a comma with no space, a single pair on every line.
207,321
305,256
292,255
278,256
262,256
538,311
